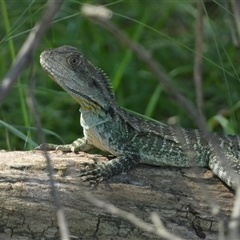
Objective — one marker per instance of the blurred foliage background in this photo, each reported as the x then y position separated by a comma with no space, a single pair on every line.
165,28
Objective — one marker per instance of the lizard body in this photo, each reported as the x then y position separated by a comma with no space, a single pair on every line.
128,137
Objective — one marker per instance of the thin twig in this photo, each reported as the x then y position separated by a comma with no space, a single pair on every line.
158,229
236,10
143,54
96,13
234,223
230,24
197,73
23,58
163,79
62,222
25,55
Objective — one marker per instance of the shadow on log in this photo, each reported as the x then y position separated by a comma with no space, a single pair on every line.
184,201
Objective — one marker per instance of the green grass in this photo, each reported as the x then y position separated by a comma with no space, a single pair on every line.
166,29
23,107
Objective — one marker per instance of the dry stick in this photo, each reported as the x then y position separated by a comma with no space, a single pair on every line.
158,228
197,74
97,15
23,58
101,15
197,77
230,24
25,55
62,222
236,10
153,65
234,223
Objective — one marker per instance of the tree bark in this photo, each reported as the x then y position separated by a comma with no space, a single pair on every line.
191,205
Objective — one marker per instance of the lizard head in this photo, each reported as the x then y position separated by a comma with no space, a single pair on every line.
87,84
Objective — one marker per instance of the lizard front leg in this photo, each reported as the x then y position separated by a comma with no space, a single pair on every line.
104,170
81,144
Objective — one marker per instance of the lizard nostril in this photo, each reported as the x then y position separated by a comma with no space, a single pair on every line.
91,83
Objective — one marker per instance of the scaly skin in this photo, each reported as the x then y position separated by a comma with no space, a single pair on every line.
131,139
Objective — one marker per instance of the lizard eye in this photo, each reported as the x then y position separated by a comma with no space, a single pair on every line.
73,60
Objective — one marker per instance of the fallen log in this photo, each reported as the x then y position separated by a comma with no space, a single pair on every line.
191,206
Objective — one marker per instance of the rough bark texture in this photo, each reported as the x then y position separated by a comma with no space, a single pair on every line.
185,201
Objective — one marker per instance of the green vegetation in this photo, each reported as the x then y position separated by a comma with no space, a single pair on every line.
166,28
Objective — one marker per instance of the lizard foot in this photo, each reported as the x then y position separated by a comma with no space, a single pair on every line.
80,144
95,171
104,170
46,146
50,146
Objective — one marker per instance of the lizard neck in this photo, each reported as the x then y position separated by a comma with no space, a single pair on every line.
91,118
87,105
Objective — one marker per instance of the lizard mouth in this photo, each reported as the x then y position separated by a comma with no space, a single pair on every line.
78,96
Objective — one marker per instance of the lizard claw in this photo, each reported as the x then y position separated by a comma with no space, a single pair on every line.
96,178
66,148
50,146
46,146
78,145
97,171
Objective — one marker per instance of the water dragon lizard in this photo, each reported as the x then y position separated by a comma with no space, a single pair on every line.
129,138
